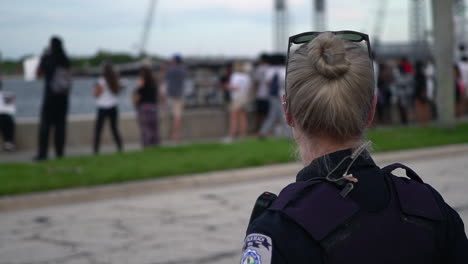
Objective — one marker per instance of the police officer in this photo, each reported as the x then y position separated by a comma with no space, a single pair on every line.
343,208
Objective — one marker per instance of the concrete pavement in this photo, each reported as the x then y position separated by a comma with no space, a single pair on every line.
203,222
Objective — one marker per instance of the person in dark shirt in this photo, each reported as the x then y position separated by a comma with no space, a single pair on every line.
224,82
176,75
343,208
145,99
459,91
55,101
384,94
420,94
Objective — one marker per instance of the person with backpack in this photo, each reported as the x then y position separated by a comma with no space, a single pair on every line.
342,207
275,81
55,66
106,92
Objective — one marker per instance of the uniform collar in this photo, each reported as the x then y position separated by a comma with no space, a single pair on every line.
321,166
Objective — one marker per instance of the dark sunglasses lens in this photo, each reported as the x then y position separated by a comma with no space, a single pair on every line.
351,37
348,36
303,39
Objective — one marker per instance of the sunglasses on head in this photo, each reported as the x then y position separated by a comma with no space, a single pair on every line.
306,37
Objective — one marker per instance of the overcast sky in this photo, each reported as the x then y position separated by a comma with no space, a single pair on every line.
189,27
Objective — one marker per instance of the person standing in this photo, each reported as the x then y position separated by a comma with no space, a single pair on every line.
262,91
429,72
224,83
420,94
239,86
463,66
106,92
403,88
459,91
7,120
175,81
55,66
384,81
275,79
342,207
145,99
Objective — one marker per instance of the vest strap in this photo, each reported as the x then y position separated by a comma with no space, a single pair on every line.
409,172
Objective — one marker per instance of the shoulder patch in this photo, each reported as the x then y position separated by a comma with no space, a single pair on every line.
257,249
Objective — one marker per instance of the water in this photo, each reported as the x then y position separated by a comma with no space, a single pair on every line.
82,102
202,90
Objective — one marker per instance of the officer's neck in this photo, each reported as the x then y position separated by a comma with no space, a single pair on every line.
310,149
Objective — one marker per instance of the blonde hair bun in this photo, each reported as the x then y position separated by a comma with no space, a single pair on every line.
328,55
330,87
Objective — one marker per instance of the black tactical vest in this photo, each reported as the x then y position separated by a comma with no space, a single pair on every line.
403,232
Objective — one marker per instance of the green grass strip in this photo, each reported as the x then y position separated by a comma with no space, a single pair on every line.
159,162
401,138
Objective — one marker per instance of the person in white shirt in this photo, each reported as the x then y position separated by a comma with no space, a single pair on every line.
7,121
275,77
239,86
106,92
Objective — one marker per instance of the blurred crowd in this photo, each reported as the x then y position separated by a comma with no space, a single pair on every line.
166,87
251,91
260,89
406,92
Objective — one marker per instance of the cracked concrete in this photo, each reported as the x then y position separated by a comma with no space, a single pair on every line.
190,225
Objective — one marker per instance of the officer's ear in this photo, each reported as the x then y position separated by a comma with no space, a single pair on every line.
287,114
372,111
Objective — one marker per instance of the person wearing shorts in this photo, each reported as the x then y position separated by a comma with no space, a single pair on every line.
239,86
175,81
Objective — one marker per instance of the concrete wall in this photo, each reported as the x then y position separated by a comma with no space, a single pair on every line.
198,124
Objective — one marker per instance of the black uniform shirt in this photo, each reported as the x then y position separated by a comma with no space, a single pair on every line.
287,242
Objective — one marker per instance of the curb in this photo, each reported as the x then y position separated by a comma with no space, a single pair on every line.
122,190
